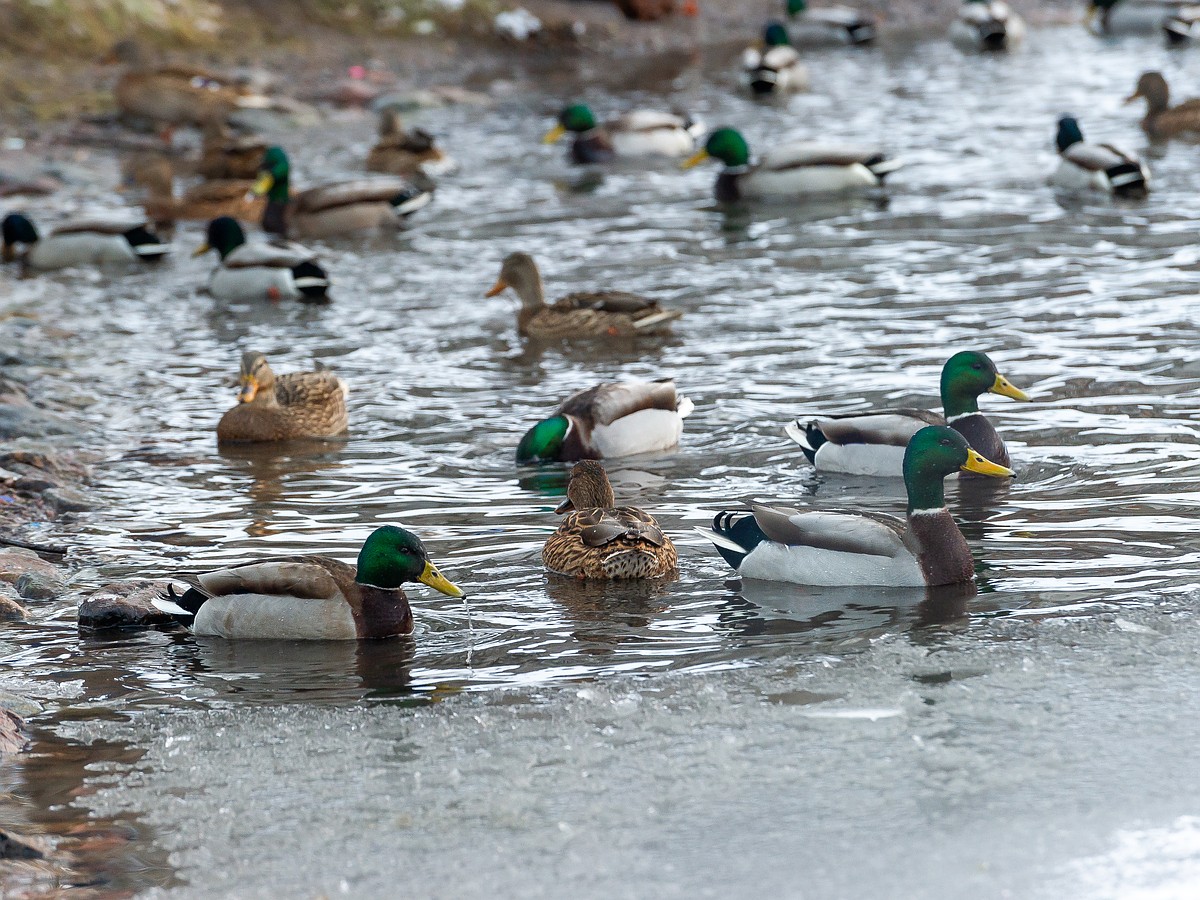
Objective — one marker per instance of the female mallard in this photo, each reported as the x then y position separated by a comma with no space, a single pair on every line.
614,419
312,598
403,152
1122,17
583,314
641,132
778,543
872,443
1101,167
201,202
776,68
226,155
113,239
332,209
987,25
277,271
292,406
794,171
828,25
599,539
1162,120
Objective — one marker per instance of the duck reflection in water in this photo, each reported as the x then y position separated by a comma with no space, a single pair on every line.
606,614
271,468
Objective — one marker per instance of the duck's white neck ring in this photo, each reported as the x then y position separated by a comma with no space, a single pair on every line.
960,416
928,512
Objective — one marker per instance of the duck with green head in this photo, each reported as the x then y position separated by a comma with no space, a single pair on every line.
312,597
249,272
118,238
1103,167
828,25
777,543
1114,18
874,442
338,208
794,171
775,67
638,133
988,26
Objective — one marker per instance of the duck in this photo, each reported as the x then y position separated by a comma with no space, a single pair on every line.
638,133
827,548
1112,18
405,152
225,154
776,68
201,202
987,25
1100,167
828,25
1162,120
873,442
582,314
113,238
290,407
272,271
312,598
793,171
618,418
600,540
332,209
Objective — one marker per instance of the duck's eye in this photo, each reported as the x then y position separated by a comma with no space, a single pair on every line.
945,442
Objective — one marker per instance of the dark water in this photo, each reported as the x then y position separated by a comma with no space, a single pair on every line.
1088,305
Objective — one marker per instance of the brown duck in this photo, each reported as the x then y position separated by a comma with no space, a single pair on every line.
402,152
296,405
584,314
227,155
1163,120
601,540
201,202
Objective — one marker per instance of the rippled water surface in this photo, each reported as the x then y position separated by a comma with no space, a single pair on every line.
1090,306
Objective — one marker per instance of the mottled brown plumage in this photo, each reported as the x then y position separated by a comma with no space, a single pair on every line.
584,314
200,202
1163,120
287,407
225,155
401,152
600,540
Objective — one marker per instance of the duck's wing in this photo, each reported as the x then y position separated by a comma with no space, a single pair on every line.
779,58
306,577
598,527
605,403
272,256
218,190
115,223
307,388
606,301
647,120
862,533
1096,157
381,189
800,154
893,426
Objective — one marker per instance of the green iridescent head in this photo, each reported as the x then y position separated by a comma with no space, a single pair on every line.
728,146
393,556
775,35
1069,133
796,7
966,376
224,235
273,174
933,453
577,117
544,441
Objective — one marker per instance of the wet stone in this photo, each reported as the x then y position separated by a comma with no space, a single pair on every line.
11,610
17,561
28,421
39,586
65,499
14,847
124,604
12,740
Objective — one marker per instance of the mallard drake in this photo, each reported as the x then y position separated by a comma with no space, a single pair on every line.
794,171
777,543
93,241
828,25
638,133
987,25
1182,25
226,155
312,598
1101,167
776,68
1120,17
276,271
332,209
405,152
599,539
1162,120
872,443
292,406
583,314
619,418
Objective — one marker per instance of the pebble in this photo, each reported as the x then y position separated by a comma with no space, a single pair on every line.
123,604
65,499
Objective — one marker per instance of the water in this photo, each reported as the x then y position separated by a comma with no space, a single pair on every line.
1085,304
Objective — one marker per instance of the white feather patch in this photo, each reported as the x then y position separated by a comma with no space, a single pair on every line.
645,431
830,568
272,617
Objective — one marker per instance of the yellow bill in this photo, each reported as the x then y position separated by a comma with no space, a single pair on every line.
201,250
554,135
695,159
249,389
980,466
1006,388
497,288
265,182
432,577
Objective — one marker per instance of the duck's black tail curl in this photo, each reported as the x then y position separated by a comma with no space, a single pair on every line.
743,532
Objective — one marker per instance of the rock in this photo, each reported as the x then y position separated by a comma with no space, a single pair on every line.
29,421
16,561
14,847
646,10
124,604
12,740
11,610
65,499
39,586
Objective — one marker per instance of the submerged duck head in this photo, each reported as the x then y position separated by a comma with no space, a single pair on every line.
588,488
795,7
1069,133
577,118
256,377
16,229
935,452
725,144
544,441
519,272
967,375
393,556
273,174
224,235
